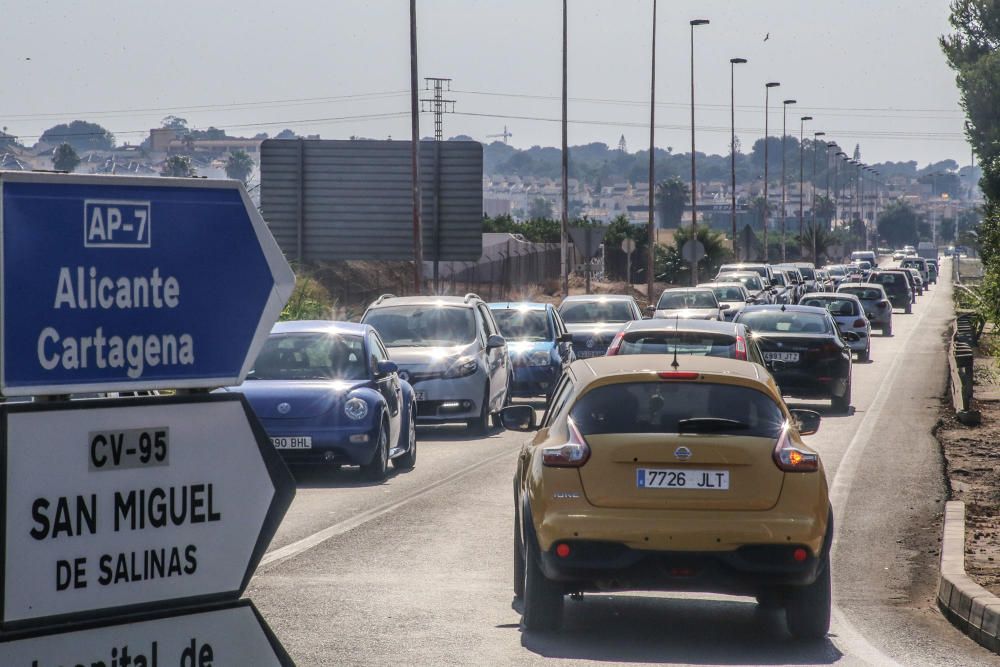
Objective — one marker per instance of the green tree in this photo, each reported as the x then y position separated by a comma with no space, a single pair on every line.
79,134
899,224
178,165
540,207
716,251
64,158
175,123
825,209
239,166
671,197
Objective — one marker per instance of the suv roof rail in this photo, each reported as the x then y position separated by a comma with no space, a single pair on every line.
383,298
472,295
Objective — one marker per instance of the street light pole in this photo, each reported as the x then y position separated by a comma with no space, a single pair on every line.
784,132
812,191
802,149
767,207
733,62
694,182
564,227
651,227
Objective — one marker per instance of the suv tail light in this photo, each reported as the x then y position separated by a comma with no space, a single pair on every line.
883,304
790,458
741,348
616,344
573,454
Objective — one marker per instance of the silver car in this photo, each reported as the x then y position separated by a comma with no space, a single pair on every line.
690,303
734,295
450,349
876,302
759,290
849,314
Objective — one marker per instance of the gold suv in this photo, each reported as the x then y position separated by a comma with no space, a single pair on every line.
667,473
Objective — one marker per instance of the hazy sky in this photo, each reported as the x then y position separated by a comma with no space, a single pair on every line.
869,71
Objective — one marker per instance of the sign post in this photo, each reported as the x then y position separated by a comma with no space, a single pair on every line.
112,523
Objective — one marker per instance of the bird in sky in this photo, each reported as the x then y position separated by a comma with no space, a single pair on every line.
767,37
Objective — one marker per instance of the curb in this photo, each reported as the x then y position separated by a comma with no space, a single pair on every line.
970,607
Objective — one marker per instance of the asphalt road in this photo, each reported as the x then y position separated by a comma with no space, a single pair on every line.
417,570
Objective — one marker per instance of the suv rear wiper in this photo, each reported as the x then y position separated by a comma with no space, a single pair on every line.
710,425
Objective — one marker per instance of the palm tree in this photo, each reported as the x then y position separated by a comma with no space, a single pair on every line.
671,197
816,240
239,166
716,251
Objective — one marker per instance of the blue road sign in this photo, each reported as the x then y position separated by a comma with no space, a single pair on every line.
113,283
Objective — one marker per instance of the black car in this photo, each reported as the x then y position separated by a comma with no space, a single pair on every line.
809,355
898,285
595,319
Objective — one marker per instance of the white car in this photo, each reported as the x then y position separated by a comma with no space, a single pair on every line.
690,303
849,314
734,295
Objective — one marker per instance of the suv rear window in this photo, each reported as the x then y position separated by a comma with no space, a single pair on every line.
698,343
677,407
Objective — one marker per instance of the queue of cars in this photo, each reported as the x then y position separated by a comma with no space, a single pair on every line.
654,426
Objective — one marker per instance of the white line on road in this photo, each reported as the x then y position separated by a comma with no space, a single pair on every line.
341,527
843,481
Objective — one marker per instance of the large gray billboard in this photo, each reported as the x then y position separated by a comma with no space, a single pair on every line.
328,200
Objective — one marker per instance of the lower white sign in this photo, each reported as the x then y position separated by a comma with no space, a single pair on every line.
133,504
234,636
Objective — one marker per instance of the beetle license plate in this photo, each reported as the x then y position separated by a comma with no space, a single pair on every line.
676,478
792,357
293,442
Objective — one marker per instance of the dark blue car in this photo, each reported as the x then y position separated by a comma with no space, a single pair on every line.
327,393
538,344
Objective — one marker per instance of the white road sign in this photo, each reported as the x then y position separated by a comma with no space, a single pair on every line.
133,504
235,635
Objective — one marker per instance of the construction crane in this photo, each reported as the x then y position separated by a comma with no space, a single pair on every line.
506,135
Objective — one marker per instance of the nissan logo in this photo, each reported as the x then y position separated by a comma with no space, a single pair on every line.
682,453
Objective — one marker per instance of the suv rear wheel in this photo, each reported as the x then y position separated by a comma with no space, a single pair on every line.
807,608
543,598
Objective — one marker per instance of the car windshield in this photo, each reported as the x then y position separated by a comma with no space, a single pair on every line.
836,271
728,294
686,299
676,407
785,321
310,356
836,306
751,282
779,279
807,273
700,343
582,312
423,325
523,324
864,293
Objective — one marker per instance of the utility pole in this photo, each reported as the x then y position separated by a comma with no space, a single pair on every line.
651,226
694,182
564,235
812,193
733,62
767,206
784,132
802,197
418,237
439,106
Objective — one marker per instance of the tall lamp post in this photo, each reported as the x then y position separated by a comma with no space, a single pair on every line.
829,169
784,132
812,192
733,62
802,153
651,229
767,206
694,183
841,156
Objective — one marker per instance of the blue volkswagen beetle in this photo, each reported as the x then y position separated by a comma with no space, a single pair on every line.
327,393
538,344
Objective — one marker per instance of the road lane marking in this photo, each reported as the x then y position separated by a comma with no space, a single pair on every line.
843,480
296,548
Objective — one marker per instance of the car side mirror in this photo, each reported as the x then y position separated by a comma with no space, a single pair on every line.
751,299
724,306
565,338
386,367
518,418
649,310
495,341
807,421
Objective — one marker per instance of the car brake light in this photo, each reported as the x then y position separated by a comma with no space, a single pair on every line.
741,348
615,344
882,304
678,375
573,454
790,458
859,323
